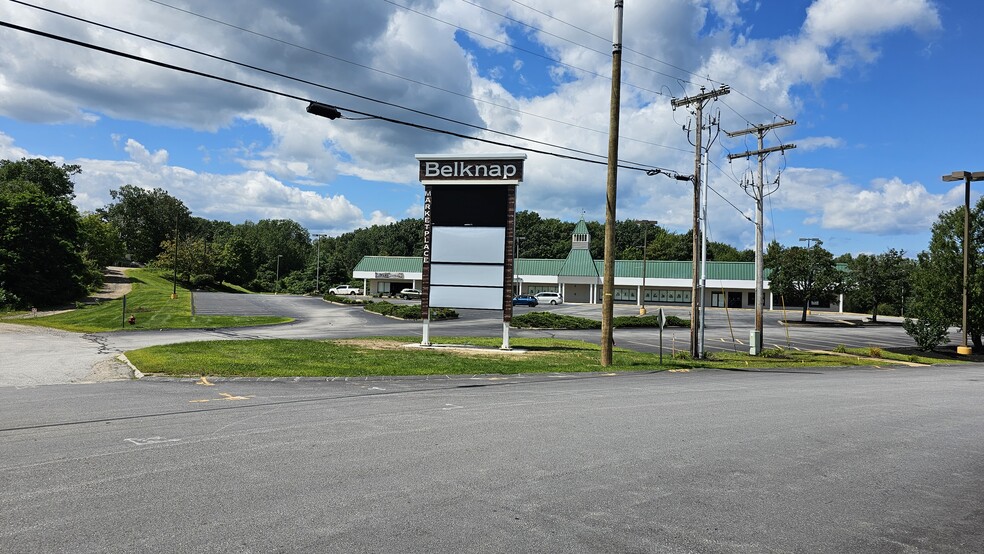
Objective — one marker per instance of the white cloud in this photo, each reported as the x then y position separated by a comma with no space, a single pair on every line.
888,206
142,156
839,34
65,84
828,21
7,149
816,143
245,196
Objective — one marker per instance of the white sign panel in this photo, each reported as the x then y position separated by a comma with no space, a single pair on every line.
468,245
481,298
467,275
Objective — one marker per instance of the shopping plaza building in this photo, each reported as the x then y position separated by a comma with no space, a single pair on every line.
578,278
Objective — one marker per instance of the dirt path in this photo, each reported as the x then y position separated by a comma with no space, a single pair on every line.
115,285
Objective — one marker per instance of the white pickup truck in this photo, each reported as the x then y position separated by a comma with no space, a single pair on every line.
344,289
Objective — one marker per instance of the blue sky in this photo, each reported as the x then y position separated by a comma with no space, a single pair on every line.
885,96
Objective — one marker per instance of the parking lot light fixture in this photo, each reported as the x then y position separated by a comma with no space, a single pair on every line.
317,271
276,284
967,177
646,223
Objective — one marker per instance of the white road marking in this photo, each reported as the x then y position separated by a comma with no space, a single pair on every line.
150,440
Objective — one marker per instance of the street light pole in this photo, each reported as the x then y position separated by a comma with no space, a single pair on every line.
317,271
809,276
966,177
276,284
174,289
645,230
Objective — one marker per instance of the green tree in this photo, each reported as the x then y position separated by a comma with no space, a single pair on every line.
543,238
937,282
721,252
873,280
803,274
40,259
101,242
53,180
146,218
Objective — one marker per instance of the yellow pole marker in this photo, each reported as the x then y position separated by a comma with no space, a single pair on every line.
204,381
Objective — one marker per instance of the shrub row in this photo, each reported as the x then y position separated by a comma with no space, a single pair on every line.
341,299
550,320
409,311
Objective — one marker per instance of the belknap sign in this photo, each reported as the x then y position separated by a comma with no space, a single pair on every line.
504,169
469,228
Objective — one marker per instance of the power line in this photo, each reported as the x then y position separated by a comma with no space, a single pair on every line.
636,167
482,100
391,74
586,47
514,47
668,64
304,81
657,60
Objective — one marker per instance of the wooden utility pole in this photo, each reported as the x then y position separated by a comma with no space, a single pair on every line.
695,301
755,341
608,290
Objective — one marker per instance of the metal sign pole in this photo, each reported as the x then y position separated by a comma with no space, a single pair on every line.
661,318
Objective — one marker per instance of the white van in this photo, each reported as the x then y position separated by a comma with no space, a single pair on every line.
549,298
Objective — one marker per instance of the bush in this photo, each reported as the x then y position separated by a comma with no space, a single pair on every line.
404,311
928,332
774,353
888,309
342,299
648,321
840,349
202,281
9,300
550,320
874,352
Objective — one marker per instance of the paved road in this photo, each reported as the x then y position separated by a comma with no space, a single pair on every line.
844,460
32,356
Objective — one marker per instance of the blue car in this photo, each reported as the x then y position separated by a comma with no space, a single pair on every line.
525,300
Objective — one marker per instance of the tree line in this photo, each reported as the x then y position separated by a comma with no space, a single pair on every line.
50,253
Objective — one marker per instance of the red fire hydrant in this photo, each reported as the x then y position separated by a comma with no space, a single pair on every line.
132,320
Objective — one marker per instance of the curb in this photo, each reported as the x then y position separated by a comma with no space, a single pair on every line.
135,373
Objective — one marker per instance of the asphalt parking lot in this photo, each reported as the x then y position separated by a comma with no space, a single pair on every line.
817,460
725,330
33,356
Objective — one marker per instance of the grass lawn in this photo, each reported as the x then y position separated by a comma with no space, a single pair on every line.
390,356
151,305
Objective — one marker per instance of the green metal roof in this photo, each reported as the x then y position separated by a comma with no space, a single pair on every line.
581,228
538,266
657,269
728,271
579,264
391,264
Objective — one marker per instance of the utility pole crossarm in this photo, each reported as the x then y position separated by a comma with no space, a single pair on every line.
695,300
700,98
755,339
769,150
761,128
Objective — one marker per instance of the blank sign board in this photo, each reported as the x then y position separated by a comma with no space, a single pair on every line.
480,298
468,245
467,275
